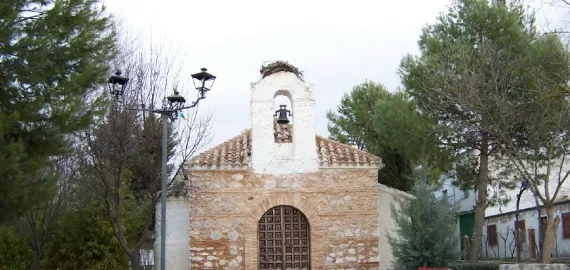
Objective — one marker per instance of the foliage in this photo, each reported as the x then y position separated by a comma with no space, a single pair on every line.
123,162
15,251
406,131
123,154
84,240
351,123
80,238
475,266
539,149
475,61
425,233
53,56
387,125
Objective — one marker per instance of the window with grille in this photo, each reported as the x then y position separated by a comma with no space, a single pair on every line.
492,235
566,225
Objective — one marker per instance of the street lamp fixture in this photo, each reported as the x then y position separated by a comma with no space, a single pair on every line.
117,84
176,100
203,82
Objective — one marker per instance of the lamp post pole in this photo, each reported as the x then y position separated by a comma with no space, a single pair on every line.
164,119
170,108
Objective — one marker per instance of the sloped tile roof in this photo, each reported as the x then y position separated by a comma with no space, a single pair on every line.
332,153
233,153
236,153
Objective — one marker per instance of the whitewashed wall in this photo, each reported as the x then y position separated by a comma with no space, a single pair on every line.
386,197
464,199
527,198
177,234
506,222
467,202
283,158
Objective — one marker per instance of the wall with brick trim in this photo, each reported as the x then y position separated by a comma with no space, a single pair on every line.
341,206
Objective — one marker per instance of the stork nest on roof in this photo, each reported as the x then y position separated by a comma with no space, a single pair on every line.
278,67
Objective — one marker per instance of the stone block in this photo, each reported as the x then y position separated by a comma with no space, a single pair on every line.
533,267
340,205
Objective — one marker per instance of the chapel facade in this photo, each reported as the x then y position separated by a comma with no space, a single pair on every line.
278,196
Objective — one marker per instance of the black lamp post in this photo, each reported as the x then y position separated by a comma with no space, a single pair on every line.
203,82
117,85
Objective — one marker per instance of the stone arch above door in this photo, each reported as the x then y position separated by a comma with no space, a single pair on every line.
272,200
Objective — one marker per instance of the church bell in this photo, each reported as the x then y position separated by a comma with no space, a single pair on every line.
282,114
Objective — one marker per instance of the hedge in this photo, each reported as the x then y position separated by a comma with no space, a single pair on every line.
475,266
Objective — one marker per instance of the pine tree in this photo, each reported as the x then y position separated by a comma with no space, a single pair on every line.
474,62
53,55
425,233
390,126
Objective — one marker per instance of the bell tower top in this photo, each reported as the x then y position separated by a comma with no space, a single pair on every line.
271,153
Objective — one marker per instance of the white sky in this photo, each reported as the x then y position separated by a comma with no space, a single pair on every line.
338,44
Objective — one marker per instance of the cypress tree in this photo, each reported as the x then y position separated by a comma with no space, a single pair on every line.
425,228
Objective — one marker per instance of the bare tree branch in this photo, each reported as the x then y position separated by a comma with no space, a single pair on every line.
123,153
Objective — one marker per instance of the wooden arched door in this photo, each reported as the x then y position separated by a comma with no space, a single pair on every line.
284,239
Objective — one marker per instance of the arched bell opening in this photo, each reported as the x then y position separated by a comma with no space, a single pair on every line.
283,116
284,237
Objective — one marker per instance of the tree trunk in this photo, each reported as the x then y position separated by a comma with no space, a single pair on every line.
549,236
37,259
481,205
135,259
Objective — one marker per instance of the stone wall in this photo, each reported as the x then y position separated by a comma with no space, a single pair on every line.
533,267
340,205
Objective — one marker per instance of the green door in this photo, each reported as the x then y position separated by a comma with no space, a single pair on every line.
466,222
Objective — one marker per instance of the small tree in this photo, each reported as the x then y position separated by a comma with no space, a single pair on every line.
539,150
122,155
425,234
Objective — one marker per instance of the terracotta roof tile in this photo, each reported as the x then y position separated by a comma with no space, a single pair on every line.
282,132
236,152
233,153
333,154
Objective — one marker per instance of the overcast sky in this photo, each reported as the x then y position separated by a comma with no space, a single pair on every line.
338,44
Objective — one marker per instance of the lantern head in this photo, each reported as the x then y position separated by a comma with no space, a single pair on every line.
117,84
203,82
